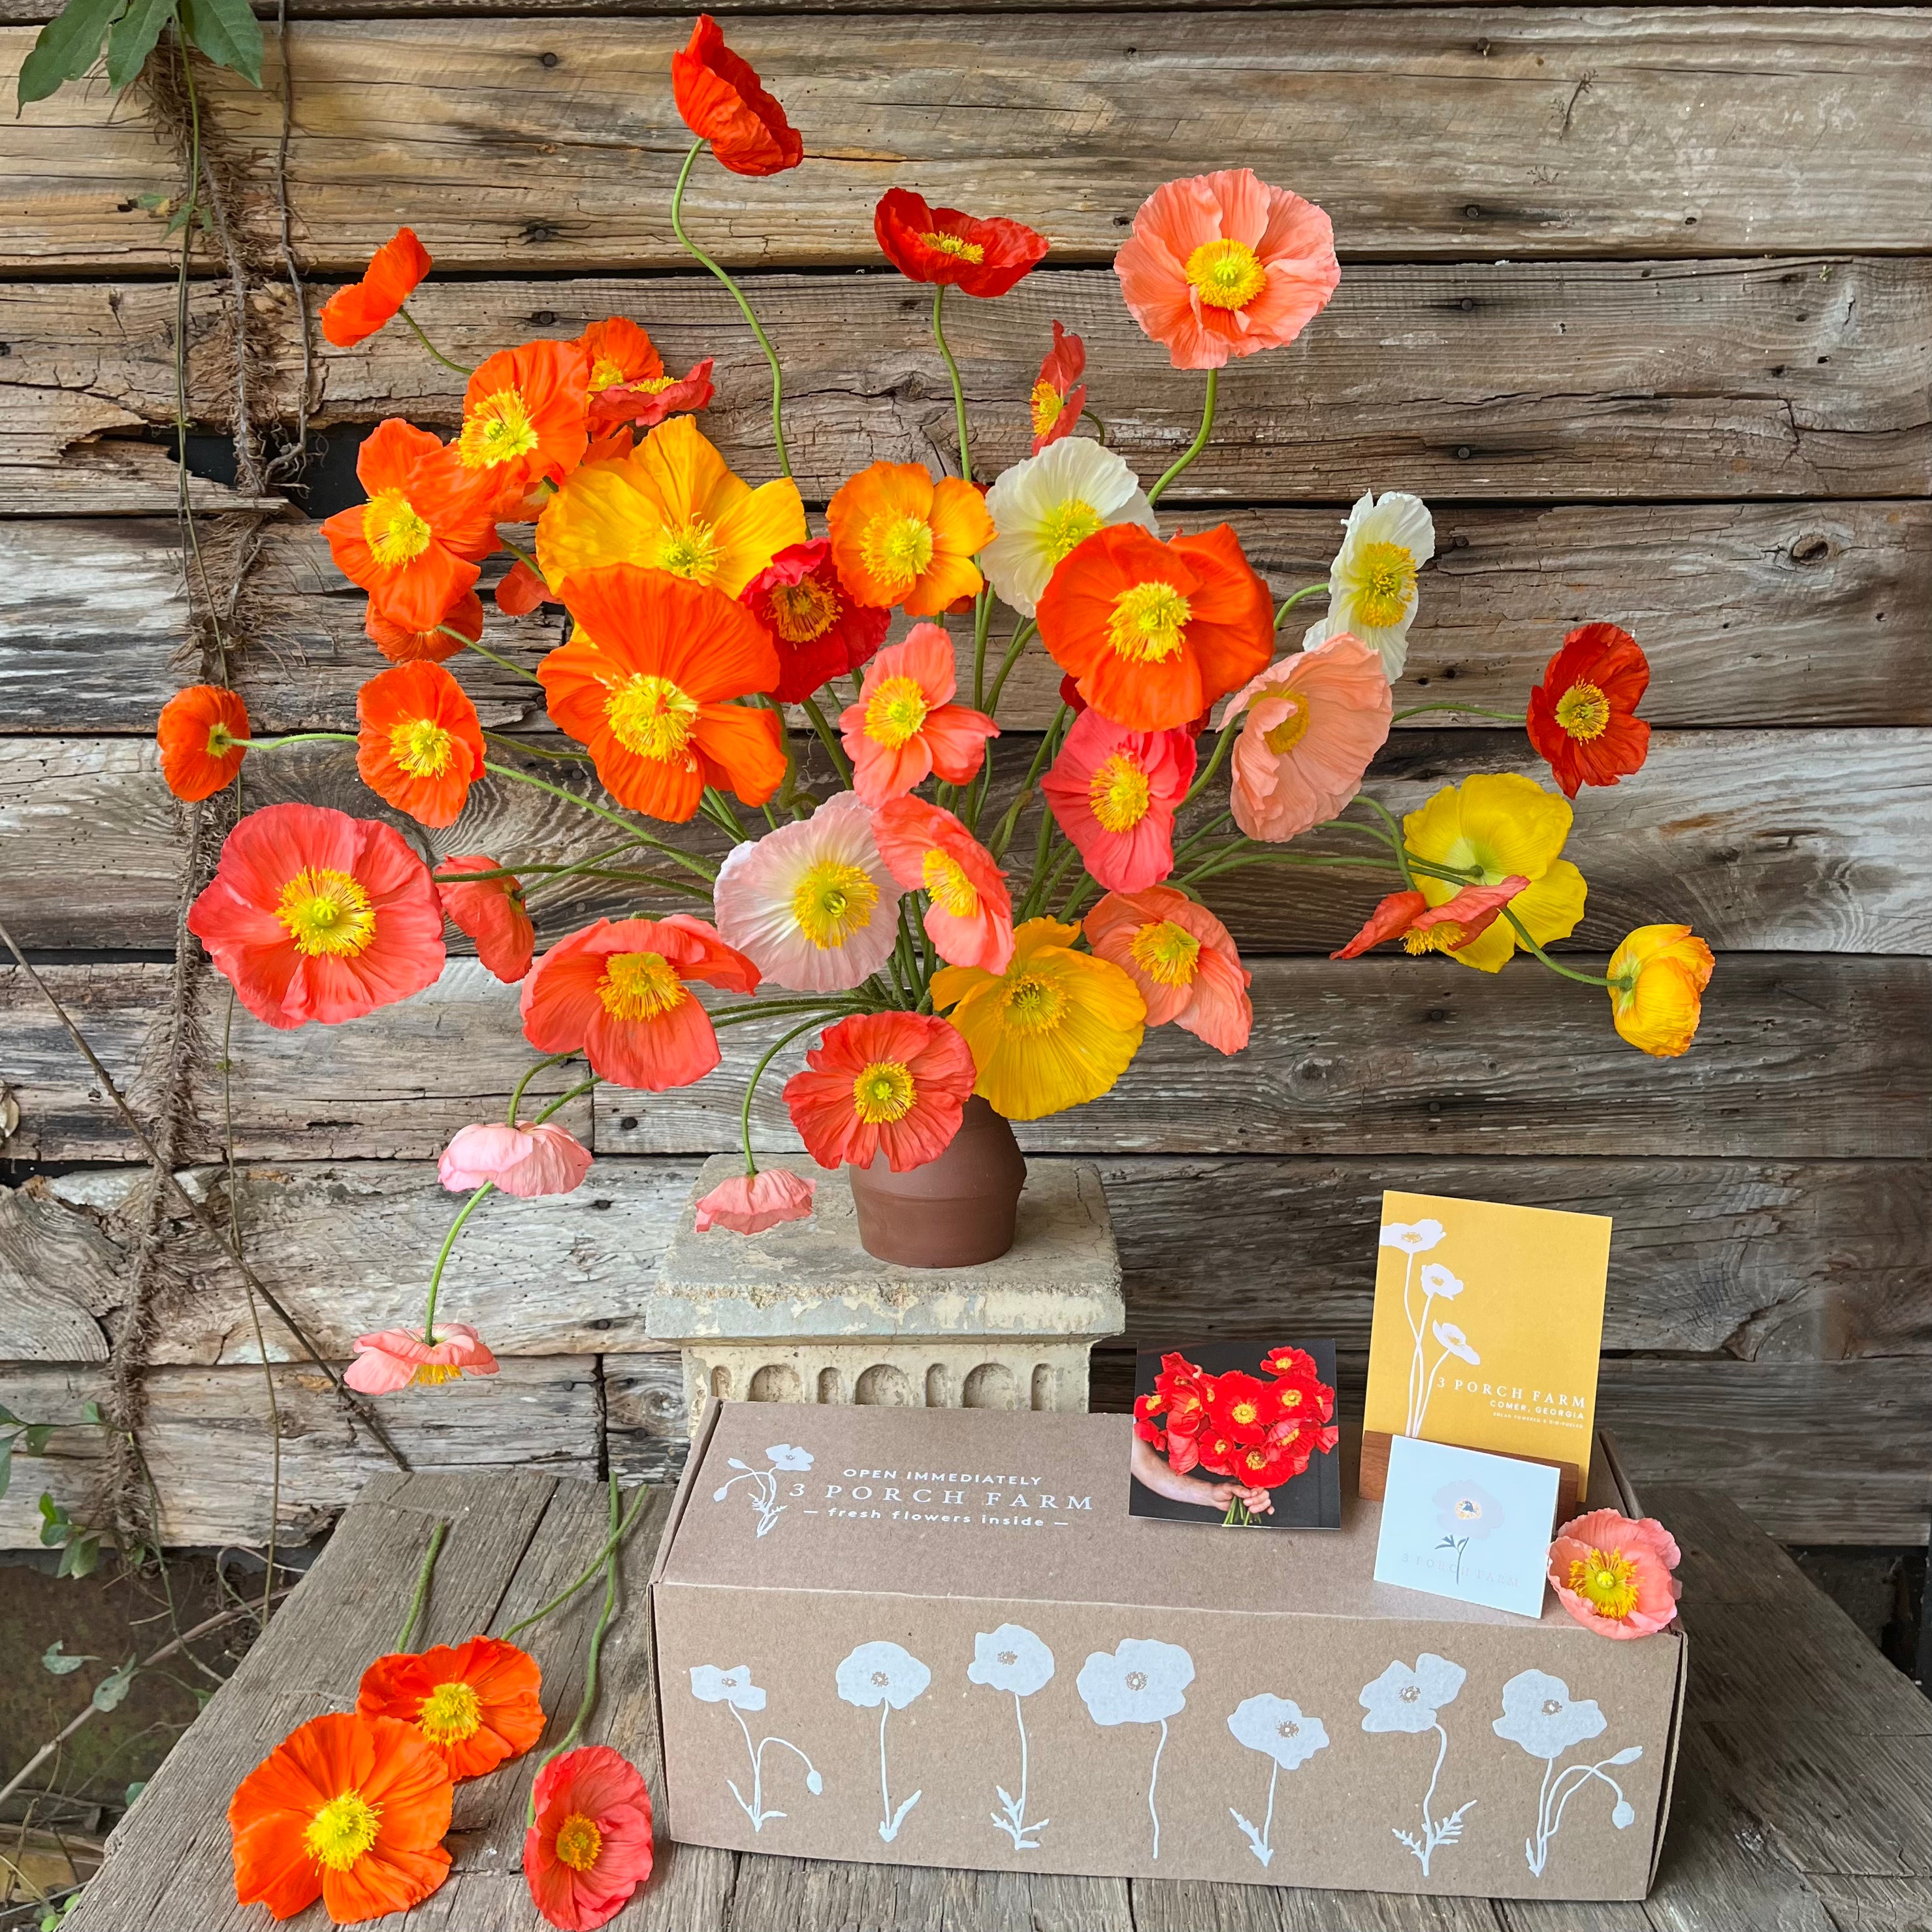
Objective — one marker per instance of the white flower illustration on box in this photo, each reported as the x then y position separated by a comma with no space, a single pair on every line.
891,1677
1013,1660
1408,1699
1141,1680
784,1459
1438,1284
1465,1513
1540,1714
1276,1727
711,1685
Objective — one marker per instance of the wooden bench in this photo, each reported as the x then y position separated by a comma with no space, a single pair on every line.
1804,1798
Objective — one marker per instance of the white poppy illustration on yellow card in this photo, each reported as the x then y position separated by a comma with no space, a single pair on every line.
1489,1321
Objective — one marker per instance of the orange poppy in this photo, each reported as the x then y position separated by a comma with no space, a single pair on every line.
520,591
490,912
722,100
620,351
349,1810
525,419
420,746
390,280
645,683
475,1706
899,538
402,646
196,732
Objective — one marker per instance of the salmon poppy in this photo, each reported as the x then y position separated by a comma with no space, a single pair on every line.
984,258
905,727
620,993
816,626
895,1083
1155,631
722,100
1114,792
591,1846
645,682
1392,917
652,400
1183,959
414,545
399,1358
898,537
526,418
531,1159
353,313
491,912
1583,717
347,1809
431,646
313,915
420,746
1058,395
197,733
969,913
474,1705
748,1203
1458,922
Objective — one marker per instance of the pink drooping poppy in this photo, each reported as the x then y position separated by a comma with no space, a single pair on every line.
395,1357
748,1203
527,1160
969,913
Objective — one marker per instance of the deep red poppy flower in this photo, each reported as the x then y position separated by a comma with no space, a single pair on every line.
816,626
723,101
986,258
1242,1406
1583,716
1059,395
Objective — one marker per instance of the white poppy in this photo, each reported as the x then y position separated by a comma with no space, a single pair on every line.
882,1673
734,1686
1413,1237
1372,590
783,1456
1540,1714
1467,1509
1402,1698
1457,1343
1044,506
1439,1282
1141,1682
1010,1659
1276,1727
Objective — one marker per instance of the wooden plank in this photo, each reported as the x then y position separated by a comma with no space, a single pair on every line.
1658,130
1197,1905
646,1429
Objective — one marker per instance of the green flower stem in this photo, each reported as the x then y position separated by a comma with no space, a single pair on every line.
523,556
524,748
462,369
1223,744
1046,889
603,1556
1313,590
1082,886
770,1054
1216,863
700,867
502,664
1003,837
1027,627
296,738
1087,415
1396,836
1200,833
406,1634
589,1703
722,814
982,614
1475,711
959,401
703,260
829,739
1530,945
529,1074
1185,458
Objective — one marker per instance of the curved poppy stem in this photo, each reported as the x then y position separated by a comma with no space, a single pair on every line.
829,739
295,738
502,664
770,1054
1530,945
1288,604
530,1073
589,1703
1223,744
1516,717
408,1631
959,397
461,368
708,874
1194,448
563,1596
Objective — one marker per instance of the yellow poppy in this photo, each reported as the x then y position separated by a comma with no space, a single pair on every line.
1502,823
670,505
1056,1029
1658,978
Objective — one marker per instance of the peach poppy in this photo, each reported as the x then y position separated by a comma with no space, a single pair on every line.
969,913
527,1160
1612,1574
431,646
1583,716
748,1203
313,915
1657,981
490,912
394,1358
1222,265
1114,792
1458,922
591,1846
1155,631
1183,959
414,545
475,1704
645,684
905,727
984,257
1309,724
895,1083
722,100
899,538
519,591
1058,394
196,732
358,311
620,993
526,418
420,746
817,627
1392,917
652,399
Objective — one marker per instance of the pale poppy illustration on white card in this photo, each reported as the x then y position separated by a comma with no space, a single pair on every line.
1458,1523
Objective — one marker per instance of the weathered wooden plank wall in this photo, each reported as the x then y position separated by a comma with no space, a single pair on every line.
1692,398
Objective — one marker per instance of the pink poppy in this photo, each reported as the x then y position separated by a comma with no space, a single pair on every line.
1182,958
1613,1575
526,1161
969,913
1115,793
395,1357
748,1203
905,727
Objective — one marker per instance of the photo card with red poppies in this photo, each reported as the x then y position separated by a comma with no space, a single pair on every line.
1237,1435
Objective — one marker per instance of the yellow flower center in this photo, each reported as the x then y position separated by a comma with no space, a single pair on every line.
1067,524
325,911
640,986
1167,953
833,900
884,1091
421,746
605,374
1607,1580
1148,622
651,385
1045,403
342,1831
1583,711
947,885
431,1374
1244,1413
692,552
1444,937
1290,1398
652,717
954,244
497,431
803,610
1119,792
1033,1004
579,1842
894,711
1282,738
897,549
1226,274
1385,583
220,742
451,1713
395,534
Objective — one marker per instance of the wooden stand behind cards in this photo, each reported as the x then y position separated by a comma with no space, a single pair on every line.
1374,1484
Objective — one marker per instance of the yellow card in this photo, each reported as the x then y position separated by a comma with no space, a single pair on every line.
1489,1322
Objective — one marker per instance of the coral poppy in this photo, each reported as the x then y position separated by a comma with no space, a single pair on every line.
358,311
899,538
1371,582
1045,506
590,1847
1222,265
1058,394
1182,958
1155,632
1612,1574
527,1160
394,1358
984,258
748,1203
722,100
812,903
969,913
420,746
894,1083
491,912
197,733
1114,792
414,545
1392,917
905,727
620,993
1057,1029
1309,724
1461,921
433,646
346,1809
519,591
475,1704
313,915
645,683
1657,977
671,505
817,627
652,400
525,419
1583,717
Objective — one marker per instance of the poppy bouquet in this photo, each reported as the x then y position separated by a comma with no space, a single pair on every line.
943,936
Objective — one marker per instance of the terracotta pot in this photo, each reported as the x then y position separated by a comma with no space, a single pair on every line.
954,1212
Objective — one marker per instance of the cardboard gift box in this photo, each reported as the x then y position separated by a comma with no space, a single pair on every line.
937,1636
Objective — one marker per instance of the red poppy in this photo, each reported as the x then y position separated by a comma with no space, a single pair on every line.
1242,1406
1150,1419
1114,792
590,1847
1056,402
1392,917
420,746
1583,717
816,627
491,912
940,245
526,419
390,278
520,591
196,731
475,1706
431,646
890,1083
1459,920
1184,1388
723,101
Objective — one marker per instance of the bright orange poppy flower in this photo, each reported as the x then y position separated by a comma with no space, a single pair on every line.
475,1706
390,280
525,419
620,351
490,912
899,538
402,646
722,100
196,731
420,746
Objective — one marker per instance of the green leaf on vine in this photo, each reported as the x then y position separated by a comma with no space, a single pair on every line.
66,47
132,39
228,33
